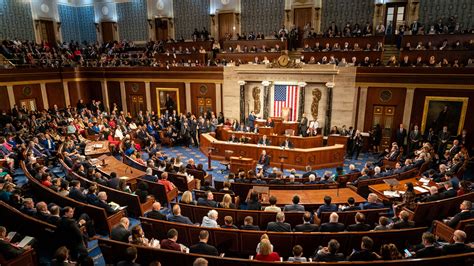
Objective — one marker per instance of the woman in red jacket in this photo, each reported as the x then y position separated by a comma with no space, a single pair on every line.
266,252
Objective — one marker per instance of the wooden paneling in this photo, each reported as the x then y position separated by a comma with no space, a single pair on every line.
161,29
113,90
397,100
226,24
134,88
55,94
197,92
108,31
22,92
419,101
4,102
85,90
182,94
302,16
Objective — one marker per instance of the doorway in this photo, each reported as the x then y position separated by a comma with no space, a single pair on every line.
384,116
108,30
394,18
137,104
226,25
301,17
204,105
46,28
29,104
161,29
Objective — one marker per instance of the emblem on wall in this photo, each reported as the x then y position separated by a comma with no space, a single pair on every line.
27,91
105,10
385,96
203,89
225,2
135,87
160,5
256,99
315,104
44,7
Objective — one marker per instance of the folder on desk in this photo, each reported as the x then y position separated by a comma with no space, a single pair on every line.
391,182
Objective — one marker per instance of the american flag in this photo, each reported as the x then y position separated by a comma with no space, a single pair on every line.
286,96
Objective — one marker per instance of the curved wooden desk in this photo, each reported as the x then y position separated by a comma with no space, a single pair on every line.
320,157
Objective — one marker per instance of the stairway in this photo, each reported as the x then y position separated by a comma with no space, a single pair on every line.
389,51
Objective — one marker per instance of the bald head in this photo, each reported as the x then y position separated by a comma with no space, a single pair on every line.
459,236
333,218
156,206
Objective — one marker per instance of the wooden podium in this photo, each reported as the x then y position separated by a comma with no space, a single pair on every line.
241,163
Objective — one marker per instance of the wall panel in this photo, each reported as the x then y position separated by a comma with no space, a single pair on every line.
132,21
190,14
85,90
113,90
197,90
263,16
135,88
343,11
433,10
16,20
30,91
4,102
55,94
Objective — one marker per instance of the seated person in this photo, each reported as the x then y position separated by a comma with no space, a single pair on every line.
248,224
458,246
360,224
7,250
295,207
311,180
333,225
383,224
372,203
233,138
155,212
327,206
210,220
433,196
287,144
264,141
365,253
253,202
291,180
272,208
102,203
203,247
176,216
329,253
306,226
429,249
229,223
171,241
266,252
466,213
120,232
350,205
402,221
279,225
297,254
208,201
264,160
226,202
165,182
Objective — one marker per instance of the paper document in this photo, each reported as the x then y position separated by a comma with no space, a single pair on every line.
420,189
392,194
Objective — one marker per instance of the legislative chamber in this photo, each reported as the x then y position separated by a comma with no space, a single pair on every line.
236,132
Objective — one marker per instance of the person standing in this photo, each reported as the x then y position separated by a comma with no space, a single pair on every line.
303,126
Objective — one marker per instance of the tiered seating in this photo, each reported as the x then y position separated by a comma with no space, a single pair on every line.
243,242
259,44
28,258
445,233
113,252
245,58
207,45
181,58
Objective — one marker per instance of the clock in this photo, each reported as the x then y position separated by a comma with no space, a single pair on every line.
283,60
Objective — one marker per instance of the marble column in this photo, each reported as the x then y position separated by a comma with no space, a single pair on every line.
327,123
148,96
66,93
218,97
266,98
123,95
362,104
302,86
11,96
410,94
105,95
187,88
242,100
44,95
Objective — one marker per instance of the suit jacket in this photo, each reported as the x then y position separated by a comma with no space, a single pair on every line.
306,227
76,194
278,227
449,193
284,144
332,227
205,202
69,234
402,224
401,135
203,248
155,215
434,197
264,160
326,208
456,248
464,215
427,252
262,141
362,255
358,227
8,251
250,227
293,208
150,178
120,233
179,219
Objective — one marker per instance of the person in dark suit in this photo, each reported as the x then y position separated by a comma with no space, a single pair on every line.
155,212
264,160
208,201
309,172
149,175
465,214
350,205
372,202
253,202
363,176
279,225
327,207
333,225
113,181
458,246
7,250
455,148
269,123
248,224
233,138
251,120
429,249
329,253
287,144
75,192
264,141
130,257
450,191
434,195
443,138
120,232
203,247
401,135
303,126
177,217
102,203
360,225
69,234
295,207
402,221
365,253
306,226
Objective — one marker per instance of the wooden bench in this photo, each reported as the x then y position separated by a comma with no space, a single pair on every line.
114,251
269,43
361,41
248,57
159,192
445,233
348,217
450,55
243,242
218,196
436,39
27,258
426,212
103,222
360,55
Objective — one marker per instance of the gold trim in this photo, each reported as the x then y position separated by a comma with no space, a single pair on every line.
415,86
29,82
158,98
464,101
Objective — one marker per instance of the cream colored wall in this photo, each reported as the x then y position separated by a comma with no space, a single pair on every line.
316,76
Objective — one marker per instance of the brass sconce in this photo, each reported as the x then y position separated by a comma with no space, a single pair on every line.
287,11
149,23
58,24
316,13
37,23
170,21
237,18
115,26
213,16
97,28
